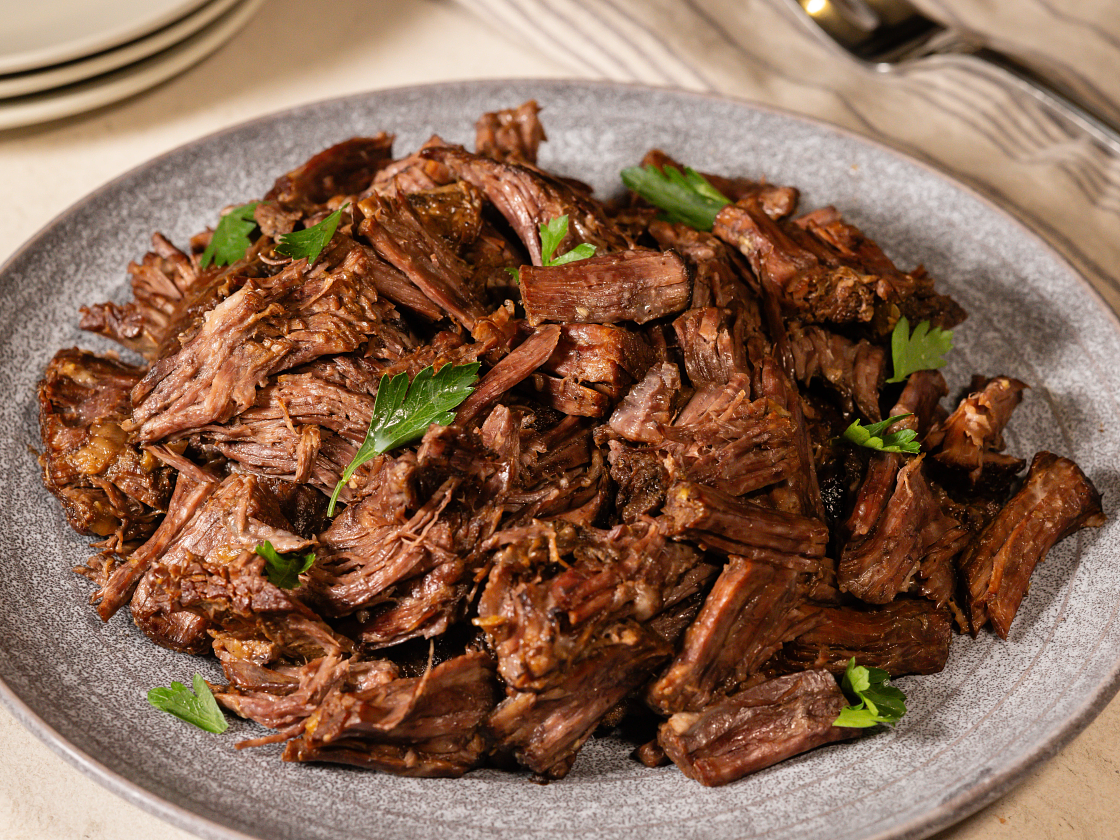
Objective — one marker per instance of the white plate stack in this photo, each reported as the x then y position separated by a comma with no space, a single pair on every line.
59,58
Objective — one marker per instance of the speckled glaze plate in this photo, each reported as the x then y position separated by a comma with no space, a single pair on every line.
972,730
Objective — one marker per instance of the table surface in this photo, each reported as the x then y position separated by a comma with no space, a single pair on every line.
362,45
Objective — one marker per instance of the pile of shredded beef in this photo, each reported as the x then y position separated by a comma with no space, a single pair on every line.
643,518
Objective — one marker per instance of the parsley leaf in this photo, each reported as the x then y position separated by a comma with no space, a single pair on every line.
231,240
311,241
199,708
877,701
923,349
283,569
873,438
552,234
685,197
403,412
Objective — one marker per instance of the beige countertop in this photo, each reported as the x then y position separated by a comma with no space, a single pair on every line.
359,45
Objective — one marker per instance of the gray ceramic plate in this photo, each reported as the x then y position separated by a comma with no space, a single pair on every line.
972,730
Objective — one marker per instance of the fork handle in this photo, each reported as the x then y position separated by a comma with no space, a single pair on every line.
1054,96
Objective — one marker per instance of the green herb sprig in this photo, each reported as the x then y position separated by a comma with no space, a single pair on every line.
198,708
872,436
922,349
284,568
552,234
311,241
402,412
230,239
873,701
684,197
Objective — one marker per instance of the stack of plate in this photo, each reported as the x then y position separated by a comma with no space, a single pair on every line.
58,57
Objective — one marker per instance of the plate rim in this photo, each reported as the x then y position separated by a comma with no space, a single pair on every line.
941,815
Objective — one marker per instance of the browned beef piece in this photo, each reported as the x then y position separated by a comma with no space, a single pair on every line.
1056,500
756,728
753,608
189,497
903,637
545,730
417,726
971,438
539,619
412,173
512,134
733,444
169,292
713,344
529,198
718,521
265,327
399,236
877,566
718,280
569,397
282,696
854,369
533,352
647,408
638,285
921,398
347,168
610,357
825,271
422,606
106,484
641,479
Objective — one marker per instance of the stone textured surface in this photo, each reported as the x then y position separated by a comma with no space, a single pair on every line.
972,730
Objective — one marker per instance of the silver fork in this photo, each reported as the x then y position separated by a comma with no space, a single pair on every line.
888,35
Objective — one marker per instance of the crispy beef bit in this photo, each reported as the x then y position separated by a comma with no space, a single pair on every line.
970,440
720,522
756,728
641,479
647,408
528,198
106,484
544,730
398,235
903,637
540,612
513,134
267,326
166,287
854,369
452,212
1056,500
429,726
638,285
347,168
752,609
877,566
736,445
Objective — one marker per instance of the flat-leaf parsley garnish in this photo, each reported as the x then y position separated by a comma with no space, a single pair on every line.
873,701
552,234
872,436
198,707
402,412
284,568
230,239
922,349
311,241
684,197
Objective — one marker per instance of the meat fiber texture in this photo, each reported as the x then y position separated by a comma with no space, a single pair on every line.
641,516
